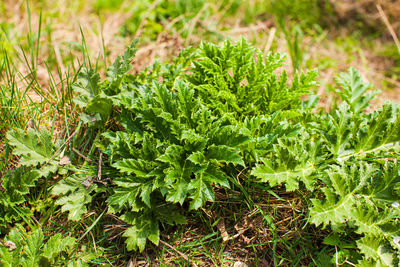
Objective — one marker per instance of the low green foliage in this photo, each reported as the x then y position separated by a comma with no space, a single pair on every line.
30,249
354,91
15,193
170,136
78,196
181,137
35,149
236,80
351,159
38,158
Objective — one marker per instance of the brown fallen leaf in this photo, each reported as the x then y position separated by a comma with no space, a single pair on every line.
10,245
88,182
64,161
240,264
132,263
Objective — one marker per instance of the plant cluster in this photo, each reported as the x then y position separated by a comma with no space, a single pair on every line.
22,249
170,135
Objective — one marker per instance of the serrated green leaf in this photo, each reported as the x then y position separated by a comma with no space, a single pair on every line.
17,183
122,64
75,204
282,175
122,196
178,193
353,195
294,160
134,241
101,106
202,192
354,90
33,147
129,166
374,248
197,157
33,248
87,85
225,154
56,244
143,227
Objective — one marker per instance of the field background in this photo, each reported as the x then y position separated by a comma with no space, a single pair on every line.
49,40
45,43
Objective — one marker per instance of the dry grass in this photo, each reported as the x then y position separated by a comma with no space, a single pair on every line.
366,11
104,30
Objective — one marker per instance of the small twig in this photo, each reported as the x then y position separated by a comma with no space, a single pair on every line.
38,223
336,257
239,233
270,40
81,155
389,26
91,235
350,263
237,176
186,258
100,162
59,149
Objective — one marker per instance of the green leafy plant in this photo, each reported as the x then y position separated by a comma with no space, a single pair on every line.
354,90
35,149
38,157
14,194
353,171
181,137
238,80
168,137
20,248
78,196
